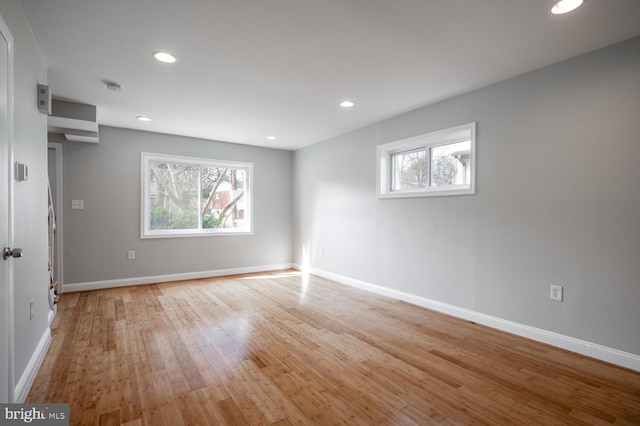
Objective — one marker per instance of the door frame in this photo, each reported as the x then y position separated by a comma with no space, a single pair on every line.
59,266
6,347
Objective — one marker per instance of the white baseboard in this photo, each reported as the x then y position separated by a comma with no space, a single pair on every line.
593,350
124,282
24,384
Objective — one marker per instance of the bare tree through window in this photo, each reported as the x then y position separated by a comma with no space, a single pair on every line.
191,196
433,164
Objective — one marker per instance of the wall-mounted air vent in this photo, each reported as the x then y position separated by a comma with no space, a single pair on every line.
72,121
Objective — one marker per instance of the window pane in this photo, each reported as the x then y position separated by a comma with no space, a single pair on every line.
173,195
408,170
188,196
451,164
440,163
223,197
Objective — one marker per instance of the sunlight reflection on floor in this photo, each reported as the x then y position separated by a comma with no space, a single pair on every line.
285,274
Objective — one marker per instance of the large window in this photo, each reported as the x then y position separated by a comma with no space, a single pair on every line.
438,163
184,196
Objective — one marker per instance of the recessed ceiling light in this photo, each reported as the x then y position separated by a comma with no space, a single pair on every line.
271,138
143,118
565,6
165,57
346,104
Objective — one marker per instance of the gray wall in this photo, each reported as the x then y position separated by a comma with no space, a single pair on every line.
31,277
557,202
107,177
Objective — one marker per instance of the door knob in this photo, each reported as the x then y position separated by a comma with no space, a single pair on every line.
8,252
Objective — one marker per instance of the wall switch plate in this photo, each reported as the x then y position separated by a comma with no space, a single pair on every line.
556,293
77,204
22,172
131,254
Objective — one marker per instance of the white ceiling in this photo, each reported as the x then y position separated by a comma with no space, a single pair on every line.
251,68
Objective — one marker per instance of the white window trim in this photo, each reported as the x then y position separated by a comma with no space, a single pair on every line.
146,233
427,141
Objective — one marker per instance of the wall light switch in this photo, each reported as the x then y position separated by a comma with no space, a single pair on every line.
77,204
22,172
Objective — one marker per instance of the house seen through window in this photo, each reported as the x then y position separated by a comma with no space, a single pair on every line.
184,196
438,163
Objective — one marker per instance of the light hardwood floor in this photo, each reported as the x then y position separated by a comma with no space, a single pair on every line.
282,349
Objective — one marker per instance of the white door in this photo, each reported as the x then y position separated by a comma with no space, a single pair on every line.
5,217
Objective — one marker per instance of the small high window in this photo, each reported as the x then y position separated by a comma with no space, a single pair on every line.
185,196
437,163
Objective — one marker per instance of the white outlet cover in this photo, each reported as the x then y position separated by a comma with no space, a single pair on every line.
556,293
77,204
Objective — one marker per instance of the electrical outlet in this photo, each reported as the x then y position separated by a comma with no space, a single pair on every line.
131,255
77,204
556,293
